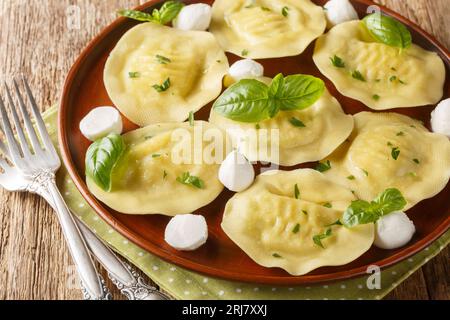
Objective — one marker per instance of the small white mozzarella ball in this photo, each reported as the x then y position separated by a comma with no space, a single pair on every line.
394,230
339,11
101,122
246,69
194,17
440,118
236,172
187,232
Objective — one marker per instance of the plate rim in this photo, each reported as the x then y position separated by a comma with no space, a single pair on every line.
201,268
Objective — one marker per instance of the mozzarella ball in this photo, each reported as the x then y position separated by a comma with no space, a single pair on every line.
101,122
187,232
194,17
394,231
246,69
440,118
236,172
339,11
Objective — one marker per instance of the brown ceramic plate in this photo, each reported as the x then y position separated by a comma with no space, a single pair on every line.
220,257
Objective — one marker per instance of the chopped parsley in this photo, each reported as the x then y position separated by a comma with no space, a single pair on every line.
400,134
244,53
417,161
337,62
162,60
390,144
395,152
296,228
257,126
285,12
134,75
352,177
328,205
191,119
156,155
276,255
322,167
165,174
305,212
318,238
163,87
265,9
296,192
187,179
393,78
358,76
365,172
337,223
376,97
296,122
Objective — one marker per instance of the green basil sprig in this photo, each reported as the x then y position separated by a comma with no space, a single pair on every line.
388,30
363,212
252,101
101,158
168,12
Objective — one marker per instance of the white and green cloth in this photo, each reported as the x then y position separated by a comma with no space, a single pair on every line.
184,284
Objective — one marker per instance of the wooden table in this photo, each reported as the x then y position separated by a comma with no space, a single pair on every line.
36,40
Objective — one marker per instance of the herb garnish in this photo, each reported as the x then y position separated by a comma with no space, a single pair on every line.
363,212
296,192
376,97
169,11
265,9
162,59
393,78
305,212
400,134
252,101
352,177
337,62
387,30
191,118
358,76
156,155
244,53
163,87
296,123
296,228
328,205
276,255
318,238
417,161
134,75
165,174
257,126
285,11
337,223
365,172
395,153
187,179
323,167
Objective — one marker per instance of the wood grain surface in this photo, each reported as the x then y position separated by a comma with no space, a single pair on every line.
40,39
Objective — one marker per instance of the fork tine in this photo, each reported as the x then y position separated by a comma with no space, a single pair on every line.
23,141
12,143
27,120
39,121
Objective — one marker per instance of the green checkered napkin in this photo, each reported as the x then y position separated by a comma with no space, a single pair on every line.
184,284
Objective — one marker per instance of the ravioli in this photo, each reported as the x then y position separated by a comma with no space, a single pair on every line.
149,55
389,77
259,29
276,230
389,150
326,126
145,180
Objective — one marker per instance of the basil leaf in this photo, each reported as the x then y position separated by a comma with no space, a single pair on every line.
252,101
300,92
169,11
388,30
245,101
389,201
101,158
136,15
363,212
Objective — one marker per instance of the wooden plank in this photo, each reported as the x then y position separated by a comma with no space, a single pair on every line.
35,39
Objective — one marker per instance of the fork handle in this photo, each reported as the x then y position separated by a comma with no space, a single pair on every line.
77,247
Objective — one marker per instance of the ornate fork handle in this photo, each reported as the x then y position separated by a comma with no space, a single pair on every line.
44,183
122,275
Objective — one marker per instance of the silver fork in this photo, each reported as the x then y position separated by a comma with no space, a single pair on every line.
38,165
122,275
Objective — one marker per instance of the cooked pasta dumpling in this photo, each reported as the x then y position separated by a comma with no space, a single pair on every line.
292,137
389,150
261,29
380,76
282,221
160,74
164,171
